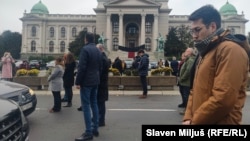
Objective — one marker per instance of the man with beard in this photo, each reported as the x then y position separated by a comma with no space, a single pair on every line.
218,89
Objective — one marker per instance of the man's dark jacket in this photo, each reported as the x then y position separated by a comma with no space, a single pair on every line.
143,65
89,68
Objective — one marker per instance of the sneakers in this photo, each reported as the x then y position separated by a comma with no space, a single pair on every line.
182,112
181,105
68,105
143,96
95,133
64,100
101,124
84,137
54,111
79,109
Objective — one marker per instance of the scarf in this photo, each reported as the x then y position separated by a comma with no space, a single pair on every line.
202,46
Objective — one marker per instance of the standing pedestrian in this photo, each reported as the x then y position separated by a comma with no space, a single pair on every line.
183,59
56,84
184,78
103,92
124,66
218,89
69,77
143,72
174,65
118,64
87,80
166,64
65,97
136,61
160,63
7,69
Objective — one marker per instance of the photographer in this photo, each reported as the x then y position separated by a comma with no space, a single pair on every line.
7,61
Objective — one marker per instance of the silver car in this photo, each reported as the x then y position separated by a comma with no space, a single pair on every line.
19,93
14,125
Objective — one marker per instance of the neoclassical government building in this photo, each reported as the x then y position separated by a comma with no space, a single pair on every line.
128,23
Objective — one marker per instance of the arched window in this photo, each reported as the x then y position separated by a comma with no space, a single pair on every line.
51,46
33,31
73,32
148,44
63,32
62,46
52,32
232,30
85,29
33,46
148,27
115,44
115,27
94,30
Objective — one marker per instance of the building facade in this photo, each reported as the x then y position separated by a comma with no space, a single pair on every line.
128,23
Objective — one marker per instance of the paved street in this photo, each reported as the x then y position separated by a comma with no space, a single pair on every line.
125,115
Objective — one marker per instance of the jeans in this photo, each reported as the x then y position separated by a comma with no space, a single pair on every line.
102,111
68,94
144,84
89,100
57,100
184,90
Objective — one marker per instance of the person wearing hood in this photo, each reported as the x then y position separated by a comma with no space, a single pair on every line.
143,72
220,74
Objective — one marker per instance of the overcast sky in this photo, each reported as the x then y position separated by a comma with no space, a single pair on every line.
12,10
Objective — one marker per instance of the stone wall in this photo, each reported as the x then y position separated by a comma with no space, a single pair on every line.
133,82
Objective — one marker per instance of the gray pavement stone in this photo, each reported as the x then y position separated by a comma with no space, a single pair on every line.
121,92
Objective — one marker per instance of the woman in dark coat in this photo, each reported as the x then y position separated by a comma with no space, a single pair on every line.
68,78
102,94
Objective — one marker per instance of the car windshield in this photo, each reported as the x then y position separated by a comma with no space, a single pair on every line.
128,63
34,61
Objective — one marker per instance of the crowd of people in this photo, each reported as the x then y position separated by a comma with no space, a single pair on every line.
208,85
92,81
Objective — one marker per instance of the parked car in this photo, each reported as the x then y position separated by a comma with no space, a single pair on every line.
18,63
19,93
35,64
50,64
128,64
14,125
154,64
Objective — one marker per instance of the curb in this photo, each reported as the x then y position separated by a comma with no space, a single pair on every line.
121,92
118,92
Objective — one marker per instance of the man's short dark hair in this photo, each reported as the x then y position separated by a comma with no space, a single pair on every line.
208,14
90,37
141,51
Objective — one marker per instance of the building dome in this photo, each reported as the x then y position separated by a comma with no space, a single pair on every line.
228,9
39,8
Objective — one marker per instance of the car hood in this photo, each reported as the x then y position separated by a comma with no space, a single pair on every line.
10,87
6,107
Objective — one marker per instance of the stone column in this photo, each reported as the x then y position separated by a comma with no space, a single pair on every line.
121,29
108,33
155,31
143,15
43,38
56,44
24,48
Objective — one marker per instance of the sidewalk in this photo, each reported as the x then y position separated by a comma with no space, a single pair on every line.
116,92
124,92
